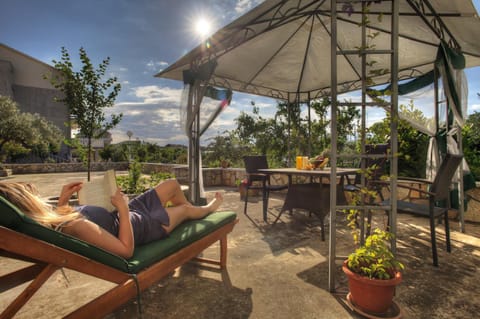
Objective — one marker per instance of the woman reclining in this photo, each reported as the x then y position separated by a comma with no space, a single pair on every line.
144,219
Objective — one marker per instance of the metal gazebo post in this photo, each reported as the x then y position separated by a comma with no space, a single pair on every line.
197,77
333,156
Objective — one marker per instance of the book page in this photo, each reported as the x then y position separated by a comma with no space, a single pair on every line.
98,191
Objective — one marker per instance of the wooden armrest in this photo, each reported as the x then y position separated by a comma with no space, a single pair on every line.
387,183
413,179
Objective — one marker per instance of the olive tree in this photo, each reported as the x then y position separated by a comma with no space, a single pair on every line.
21,133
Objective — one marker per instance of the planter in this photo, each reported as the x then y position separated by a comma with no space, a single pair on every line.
373,296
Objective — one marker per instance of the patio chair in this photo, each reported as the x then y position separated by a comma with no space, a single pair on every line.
438,193
260,181
312,197
376,168
22,238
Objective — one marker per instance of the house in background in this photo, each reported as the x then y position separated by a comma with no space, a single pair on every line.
21,79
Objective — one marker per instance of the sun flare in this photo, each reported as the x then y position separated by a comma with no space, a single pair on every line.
203,27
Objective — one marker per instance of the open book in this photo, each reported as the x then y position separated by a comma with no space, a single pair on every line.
98,191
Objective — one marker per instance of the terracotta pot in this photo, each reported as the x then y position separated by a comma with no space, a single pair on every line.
372,296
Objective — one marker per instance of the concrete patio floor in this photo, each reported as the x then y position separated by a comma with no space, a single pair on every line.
276,271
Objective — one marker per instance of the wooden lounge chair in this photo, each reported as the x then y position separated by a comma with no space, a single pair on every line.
23,239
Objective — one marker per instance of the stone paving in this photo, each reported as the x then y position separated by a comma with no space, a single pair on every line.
277,271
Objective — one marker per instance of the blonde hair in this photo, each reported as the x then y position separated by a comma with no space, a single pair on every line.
26,198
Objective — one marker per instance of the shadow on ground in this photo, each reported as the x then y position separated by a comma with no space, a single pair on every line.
178,296
281,271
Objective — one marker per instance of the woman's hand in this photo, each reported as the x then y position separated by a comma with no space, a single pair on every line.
120,200
67,192
125,231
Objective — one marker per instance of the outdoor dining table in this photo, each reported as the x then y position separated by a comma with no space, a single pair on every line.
313,194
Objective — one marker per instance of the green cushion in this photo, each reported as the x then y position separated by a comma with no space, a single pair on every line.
13,218
143,257
181,236
10,217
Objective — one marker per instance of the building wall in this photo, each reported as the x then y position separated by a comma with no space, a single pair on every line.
6,78
41,101
27,71
21,78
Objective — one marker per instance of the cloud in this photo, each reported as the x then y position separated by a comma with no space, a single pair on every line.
155,66
474,107
243,6
153,115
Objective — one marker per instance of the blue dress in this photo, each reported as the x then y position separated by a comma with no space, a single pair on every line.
147,216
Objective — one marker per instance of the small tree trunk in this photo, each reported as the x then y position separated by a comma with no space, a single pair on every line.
89,154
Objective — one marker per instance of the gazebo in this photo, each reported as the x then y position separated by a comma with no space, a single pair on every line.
302,50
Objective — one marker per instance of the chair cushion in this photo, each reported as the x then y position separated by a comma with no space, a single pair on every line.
11,217
180,237
417,209
144,255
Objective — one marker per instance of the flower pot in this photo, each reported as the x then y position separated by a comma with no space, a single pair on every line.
373,296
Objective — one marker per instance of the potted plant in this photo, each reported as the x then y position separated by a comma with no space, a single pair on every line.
373,272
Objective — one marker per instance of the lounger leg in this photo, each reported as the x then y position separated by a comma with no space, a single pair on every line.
21,276
22,299
223,252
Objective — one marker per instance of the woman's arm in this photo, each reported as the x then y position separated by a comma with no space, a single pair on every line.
123,245
67,192
125,230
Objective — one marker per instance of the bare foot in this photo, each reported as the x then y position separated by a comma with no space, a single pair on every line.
216,202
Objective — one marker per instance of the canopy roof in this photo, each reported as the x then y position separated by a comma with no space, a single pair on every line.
282,47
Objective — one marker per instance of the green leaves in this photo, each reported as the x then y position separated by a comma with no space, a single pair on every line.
86,94
471,143
374,259
21,133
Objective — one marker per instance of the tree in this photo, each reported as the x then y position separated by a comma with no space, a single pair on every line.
86,95
471,143
412,144
271,137
224,148
257,135
21,133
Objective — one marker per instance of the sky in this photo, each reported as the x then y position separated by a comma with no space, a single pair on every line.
141,37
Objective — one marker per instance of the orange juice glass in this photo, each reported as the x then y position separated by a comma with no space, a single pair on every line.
299,162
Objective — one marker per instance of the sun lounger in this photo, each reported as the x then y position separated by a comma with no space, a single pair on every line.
49,250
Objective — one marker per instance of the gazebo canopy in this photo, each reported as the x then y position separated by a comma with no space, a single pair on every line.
282,48
300,50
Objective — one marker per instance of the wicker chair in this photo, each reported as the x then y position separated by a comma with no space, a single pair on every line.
438,192
257,180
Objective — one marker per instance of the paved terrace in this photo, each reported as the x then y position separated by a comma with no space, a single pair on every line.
277,272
